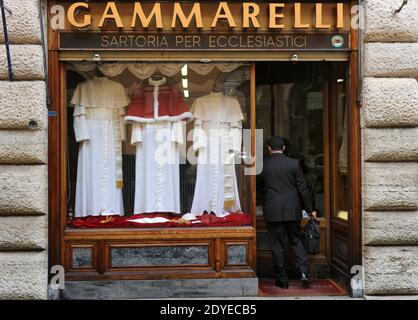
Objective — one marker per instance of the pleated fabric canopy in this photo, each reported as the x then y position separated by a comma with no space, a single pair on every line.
145,70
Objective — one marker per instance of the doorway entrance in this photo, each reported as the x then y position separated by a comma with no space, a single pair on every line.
307,104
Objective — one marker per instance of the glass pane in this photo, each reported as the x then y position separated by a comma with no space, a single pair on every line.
158,144
81,258
342,173
237,254
163,256
290,105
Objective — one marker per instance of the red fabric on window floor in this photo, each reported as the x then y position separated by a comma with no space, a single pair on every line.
234,219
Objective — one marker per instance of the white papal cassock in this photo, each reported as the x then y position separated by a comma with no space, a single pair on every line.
217,136
99,128
157,114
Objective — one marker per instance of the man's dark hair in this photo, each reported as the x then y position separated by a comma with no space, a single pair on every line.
276,143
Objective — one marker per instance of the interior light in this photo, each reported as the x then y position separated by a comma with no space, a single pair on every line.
185,83
205,60
340,80
97,57
294,57
184,70
186,93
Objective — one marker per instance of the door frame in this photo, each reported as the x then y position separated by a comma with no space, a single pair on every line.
352,230
354,154
354,223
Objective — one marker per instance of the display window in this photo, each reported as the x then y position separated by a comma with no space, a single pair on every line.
158,144
158,117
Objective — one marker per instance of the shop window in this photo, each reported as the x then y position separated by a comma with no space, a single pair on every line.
158,144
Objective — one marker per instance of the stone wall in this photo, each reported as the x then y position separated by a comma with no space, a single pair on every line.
390,148
23,157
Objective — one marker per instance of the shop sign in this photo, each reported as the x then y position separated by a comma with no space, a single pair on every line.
205,26
203,41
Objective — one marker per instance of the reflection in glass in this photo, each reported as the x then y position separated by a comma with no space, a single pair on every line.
290,104
342,172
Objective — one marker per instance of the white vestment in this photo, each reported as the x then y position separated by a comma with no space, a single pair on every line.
217,136
157,140
99,128
157,178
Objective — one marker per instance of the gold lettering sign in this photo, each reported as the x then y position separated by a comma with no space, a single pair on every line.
318,19
247,15
223,12
185,22
111,12
186,15
145,21
340,16
71,15
298,18
274,15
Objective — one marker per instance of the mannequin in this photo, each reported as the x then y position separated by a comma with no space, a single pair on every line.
157,113
99,108
99,73
157,78
217,137
218,86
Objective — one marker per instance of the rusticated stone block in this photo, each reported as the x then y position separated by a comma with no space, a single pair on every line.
23,105
390,144
390,103
23,233
23,190
382,25
391,270
23,147
24,275
27,62
390,227
391,60
23,24
390,186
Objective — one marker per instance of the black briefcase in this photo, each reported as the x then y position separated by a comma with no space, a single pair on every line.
311,237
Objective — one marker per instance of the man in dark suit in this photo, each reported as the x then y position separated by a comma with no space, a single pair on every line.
285,195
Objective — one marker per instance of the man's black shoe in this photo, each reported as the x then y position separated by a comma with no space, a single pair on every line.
283,285
305,280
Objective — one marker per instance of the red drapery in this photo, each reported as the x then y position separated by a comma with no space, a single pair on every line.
206,220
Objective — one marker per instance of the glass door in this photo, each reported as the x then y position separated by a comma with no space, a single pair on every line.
339,173
292,102
306,103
